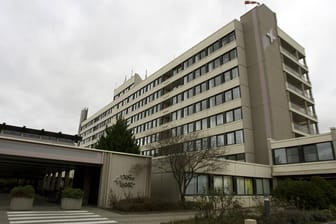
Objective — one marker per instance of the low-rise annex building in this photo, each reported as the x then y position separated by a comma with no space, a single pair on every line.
52,161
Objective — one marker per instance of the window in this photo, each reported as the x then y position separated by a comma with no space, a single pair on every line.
191,127
220,119
192,186
228,186
205,143
309,153
266,186
259,186
198,144
202,184
325,151
213,141
239,137
237,114
212,101
204,123
203,87
219,99
198,125
204,104
211,83
218,80
240,185
218,184
198,107
230,138
228,95
197,89
236,93
235,73
280,156
220,140
227,76
248,186
212,121
229,116
293,155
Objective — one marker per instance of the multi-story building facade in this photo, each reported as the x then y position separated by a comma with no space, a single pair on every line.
243,84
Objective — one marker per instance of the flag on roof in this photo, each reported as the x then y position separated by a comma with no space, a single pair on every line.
251,2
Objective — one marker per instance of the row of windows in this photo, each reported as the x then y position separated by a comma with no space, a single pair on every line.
205,52
211,83
202,54
229,138
208,122
204,184
306,153
210,102
205,123
228,56
224,77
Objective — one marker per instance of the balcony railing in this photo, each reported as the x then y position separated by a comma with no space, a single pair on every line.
299,91
303,110
296,73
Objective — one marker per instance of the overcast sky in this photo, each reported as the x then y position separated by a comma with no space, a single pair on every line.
57,57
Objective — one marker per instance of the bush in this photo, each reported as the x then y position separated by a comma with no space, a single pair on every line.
23,192
314,194
75,193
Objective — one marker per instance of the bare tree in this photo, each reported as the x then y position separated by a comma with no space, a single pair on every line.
184,164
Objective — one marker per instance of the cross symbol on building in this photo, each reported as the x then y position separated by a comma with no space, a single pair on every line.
271,36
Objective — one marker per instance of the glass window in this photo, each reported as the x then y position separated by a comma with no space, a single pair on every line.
240,185
198,107
237,114
230,138
191,92
226,58
218,80
211,83
218,184
173,116
325,151
212,121
198,125
204,104
280,156
203,87
204,123
239,137
219,99
178,131
220,140
227,76
173,132
198,144
292,155
204,69
205,143
234,72
191,109
185,129
259,186
220,119
212,101
266,186
228,95
233,54
309,153
228,186
191,127
248,186
229,116
197,89
202,184
213,141
192,186
236,93
217,62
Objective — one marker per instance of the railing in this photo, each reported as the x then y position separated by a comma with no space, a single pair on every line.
296,73
299,91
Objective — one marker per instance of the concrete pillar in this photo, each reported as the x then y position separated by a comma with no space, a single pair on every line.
66,179
250,221
53,182
59,180
49,181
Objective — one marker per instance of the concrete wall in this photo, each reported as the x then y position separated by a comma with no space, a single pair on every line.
116,164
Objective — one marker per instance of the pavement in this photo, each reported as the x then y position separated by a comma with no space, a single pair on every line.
46,212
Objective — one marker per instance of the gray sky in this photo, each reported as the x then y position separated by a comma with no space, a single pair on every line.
57,57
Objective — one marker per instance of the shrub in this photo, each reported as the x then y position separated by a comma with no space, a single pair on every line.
317,193
70,192
23,192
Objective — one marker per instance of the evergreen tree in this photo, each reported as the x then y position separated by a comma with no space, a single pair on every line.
118,138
